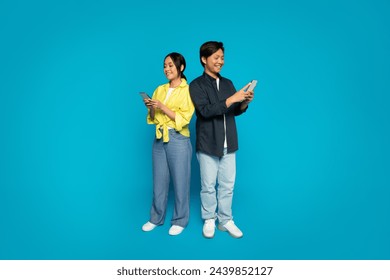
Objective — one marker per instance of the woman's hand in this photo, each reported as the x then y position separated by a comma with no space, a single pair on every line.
147,103
156,104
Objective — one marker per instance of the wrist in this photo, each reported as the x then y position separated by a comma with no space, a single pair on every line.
232,99
244,104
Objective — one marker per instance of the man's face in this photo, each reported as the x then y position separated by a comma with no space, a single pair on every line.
214,63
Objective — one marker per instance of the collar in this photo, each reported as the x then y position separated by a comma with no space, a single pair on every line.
182,84
208,77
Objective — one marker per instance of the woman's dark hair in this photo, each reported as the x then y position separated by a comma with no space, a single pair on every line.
208,48
178,60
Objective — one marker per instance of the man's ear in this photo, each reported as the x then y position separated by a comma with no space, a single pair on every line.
204,60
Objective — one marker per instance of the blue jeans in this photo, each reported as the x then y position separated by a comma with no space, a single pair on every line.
171,160
221,170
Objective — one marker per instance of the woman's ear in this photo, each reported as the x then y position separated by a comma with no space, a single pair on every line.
182,68
204,60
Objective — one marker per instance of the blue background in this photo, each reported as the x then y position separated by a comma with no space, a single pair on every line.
75,151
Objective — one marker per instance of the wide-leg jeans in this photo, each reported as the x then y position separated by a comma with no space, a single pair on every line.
171,160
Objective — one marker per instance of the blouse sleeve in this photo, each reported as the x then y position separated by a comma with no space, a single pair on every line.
185,110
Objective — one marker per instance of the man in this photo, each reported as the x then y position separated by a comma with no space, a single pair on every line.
216,104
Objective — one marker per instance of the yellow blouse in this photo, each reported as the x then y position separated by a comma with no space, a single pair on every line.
179,102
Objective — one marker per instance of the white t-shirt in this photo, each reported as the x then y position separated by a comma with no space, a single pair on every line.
168,95
224,120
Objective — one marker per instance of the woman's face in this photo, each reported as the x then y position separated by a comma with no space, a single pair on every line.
170,70
214,63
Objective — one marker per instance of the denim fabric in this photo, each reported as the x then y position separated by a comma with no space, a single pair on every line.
171,160
222,171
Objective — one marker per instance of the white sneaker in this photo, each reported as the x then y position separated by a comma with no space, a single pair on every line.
175,230
230,227
148,226
209,228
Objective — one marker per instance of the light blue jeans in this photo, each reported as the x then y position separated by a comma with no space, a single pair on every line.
171,160
213,171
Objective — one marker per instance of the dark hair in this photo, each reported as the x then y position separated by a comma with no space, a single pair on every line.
178,60
209,48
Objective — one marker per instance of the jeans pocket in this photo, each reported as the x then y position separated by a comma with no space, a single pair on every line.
177,135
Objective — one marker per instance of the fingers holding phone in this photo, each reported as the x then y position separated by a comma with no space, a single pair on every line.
249,96
252,86
156,104
250,91
146,99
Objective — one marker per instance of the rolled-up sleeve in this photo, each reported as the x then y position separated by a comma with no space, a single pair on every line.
184,112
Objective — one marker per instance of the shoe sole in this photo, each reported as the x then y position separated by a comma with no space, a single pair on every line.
147,230
208,237
221,228
174,233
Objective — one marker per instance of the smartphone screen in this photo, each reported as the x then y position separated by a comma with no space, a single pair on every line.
144,95
252,86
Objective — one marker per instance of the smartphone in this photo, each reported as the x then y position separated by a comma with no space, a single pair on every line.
252,85
144,95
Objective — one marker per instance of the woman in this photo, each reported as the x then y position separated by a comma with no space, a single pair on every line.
171,109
